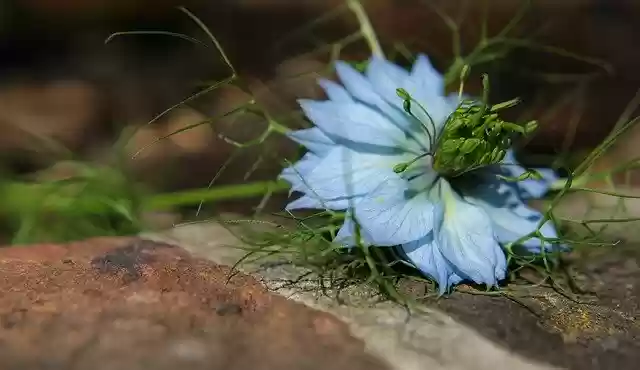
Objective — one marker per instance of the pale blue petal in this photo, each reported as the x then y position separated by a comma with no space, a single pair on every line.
511,217
346,234
354,122
296,174
467,240
334,91
300,178
510,224
347,173
313,139
429,81
355,83
362,89
420,175
395,214
426,86
426,256
312,202
386,78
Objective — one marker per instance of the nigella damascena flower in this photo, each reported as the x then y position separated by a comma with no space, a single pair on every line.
451,228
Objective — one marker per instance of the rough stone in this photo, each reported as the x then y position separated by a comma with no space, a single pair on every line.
128,303
425,339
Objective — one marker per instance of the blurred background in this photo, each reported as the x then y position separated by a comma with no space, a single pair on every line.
66,95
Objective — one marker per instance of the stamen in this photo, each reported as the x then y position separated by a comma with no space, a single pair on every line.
401,167
403,94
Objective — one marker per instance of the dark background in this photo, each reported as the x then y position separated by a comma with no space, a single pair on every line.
59,80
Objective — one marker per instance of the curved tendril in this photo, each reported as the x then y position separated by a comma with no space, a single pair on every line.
407,100
422,124
432,138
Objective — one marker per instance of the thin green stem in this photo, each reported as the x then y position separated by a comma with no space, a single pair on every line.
194,197
365,27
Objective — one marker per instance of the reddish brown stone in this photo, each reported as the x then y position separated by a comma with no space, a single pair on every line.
134,304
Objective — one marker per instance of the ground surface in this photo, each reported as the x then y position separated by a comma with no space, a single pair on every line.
604,334
138,304
133,304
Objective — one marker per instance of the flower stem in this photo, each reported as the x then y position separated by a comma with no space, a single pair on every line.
365,27
227,192
18,197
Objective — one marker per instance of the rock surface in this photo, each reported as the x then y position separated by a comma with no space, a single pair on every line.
135,304
599,331
169,300
427,339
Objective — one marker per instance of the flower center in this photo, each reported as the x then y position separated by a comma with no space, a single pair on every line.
472,137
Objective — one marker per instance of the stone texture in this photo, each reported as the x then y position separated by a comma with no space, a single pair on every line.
425,339
598,329
135,304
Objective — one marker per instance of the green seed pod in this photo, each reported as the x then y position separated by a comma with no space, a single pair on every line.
505,105
486,158
469,145
459,163
530,127
451,146
497,155
455,124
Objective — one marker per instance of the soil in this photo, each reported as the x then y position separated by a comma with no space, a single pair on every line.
599,331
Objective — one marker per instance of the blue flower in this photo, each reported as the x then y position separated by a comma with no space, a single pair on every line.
450,231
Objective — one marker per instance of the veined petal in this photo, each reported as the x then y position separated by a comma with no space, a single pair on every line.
313,139
355,83
363,90
354,122
420,175
511,217
426,78
426,86
511,224
425,254
346,234
347,173
467,240
395,214
296,174
312,202
334,91
386,78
